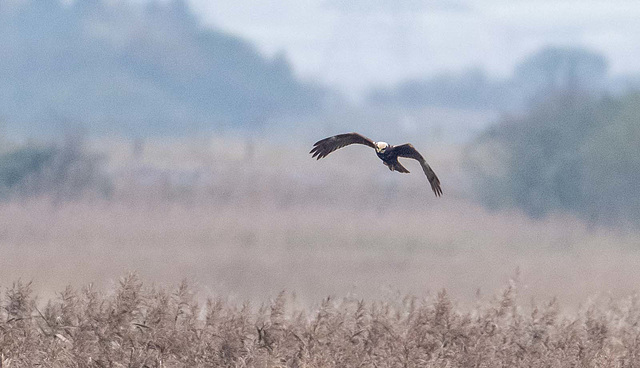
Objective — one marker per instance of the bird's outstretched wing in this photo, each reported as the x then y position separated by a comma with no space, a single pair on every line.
324,147
407,150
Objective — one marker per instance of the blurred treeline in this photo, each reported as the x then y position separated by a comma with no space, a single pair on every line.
61,170
574,149
548,69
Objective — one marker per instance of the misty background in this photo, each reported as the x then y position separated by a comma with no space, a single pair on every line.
205,111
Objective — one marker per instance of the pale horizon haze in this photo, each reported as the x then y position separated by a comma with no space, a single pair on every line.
357,45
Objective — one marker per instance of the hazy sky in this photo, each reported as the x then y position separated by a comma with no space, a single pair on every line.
354,44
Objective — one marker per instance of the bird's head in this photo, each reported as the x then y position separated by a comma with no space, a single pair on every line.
381,146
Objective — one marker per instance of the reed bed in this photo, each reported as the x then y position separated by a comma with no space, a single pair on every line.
138,325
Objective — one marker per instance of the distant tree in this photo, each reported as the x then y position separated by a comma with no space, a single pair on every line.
561,70
611,156
574,154
62,171
17,165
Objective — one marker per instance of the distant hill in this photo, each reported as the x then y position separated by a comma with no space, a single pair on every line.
130,69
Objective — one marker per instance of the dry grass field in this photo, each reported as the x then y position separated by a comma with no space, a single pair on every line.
243,222
141,326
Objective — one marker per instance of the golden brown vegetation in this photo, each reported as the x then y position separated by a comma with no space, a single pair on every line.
140,326
247,222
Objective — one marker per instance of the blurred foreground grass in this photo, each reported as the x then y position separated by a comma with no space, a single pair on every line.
138,325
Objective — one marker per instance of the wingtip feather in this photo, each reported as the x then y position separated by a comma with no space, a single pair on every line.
437,191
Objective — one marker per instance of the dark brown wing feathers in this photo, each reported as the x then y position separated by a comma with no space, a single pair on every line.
407,150
324,147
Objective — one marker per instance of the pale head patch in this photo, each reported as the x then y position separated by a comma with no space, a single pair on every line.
381,146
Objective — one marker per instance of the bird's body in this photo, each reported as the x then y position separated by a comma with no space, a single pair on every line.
387,153
389,157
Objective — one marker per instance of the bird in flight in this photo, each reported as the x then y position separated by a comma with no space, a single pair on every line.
387,153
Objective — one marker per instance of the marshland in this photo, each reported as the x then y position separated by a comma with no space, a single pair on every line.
159,206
